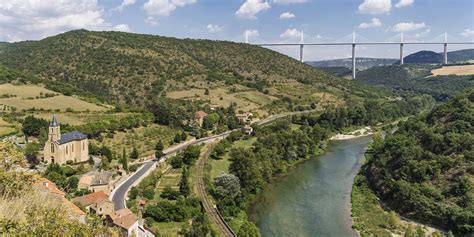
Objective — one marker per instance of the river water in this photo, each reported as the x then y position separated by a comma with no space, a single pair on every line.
313,199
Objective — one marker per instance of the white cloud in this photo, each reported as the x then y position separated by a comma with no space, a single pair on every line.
375,7
287,15
252,33
250,8
291,34
408,26
404,3
23,19
422,34
468,33
375,22
164,7
214,28
121,27
124,4
289,1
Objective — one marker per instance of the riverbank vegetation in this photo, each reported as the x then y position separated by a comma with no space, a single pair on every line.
425,169
281,145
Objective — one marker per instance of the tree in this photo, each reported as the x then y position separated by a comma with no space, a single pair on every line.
149,193
184,188
159,149
31,153
393,220
248,229
134,155
32,126
227,185
90,160
176,162
191,154
244,166
124,160
169,193
206,92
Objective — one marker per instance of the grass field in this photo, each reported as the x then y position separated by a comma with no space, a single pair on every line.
143,138
454,70
6,128
246,101
169,229
222,166
25,97
81,118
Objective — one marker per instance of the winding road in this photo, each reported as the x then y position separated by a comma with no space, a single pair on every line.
119,194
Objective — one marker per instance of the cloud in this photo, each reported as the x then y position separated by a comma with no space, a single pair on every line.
375,7
214,28
375,22
468,33
162,8
121,27
252,33
287,15
291,34
404,3
250,8
23,19
422,34
407,26
289,1
124,4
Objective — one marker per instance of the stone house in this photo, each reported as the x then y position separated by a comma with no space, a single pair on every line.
97,202
95,182
52,192
125,220
61,148
245,118
199,117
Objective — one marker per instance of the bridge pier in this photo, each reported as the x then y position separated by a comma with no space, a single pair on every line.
301,52
445,53
401,54
353,62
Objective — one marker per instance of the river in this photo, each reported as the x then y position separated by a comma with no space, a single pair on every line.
313,199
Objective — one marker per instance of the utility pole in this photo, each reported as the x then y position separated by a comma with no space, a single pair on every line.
353,56
445,48
401,49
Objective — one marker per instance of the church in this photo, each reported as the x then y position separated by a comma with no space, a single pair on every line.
61,148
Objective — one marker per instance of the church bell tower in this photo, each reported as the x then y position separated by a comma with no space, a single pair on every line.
54,130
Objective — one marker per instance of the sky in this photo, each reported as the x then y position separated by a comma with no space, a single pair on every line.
262,21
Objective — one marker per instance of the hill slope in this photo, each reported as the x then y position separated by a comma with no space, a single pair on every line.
133,68
425,169
430,57
415,78
362,63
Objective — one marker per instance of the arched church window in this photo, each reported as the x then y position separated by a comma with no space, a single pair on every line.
52,148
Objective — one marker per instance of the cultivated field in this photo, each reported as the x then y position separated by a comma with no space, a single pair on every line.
81,118
454,70
246,101
24,97
6,128
222,166
143,138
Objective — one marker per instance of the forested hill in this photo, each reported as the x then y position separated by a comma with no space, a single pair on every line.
430,57
130,67
425,170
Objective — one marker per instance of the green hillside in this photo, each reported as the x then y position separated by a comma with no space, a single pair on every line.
430,57
415,78
425,170
133,68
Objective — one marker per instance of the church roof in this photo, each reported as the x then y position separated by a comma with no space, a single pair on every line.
71,136
54,122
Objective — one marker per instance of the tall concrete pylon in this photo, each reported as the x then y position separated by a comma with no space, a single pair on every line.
445,48
353,55
301,47
401,49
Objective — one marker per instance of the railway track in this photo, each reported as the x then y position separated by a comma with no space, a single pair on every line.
210,209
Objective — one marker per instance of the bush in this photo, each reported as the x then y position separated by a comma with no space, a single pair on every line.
169,193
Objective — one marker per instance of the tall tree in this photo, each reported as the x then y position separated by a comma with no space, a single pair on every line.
134,155
159,149
124,160
184,188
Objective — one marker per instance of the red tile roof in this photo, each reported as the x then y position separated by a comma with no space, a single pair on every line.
91,198
200,114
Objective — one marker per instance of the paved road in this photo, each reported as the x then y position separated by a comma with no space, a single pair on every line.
119,194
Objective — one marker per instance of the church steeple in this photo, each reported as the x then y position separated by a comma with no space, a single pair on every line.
54,129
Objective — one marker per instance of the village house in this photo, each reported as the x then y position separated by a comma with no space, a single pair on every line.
60,149
245,118
50,189
95,182
97,202
199,117
247,130
126,220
